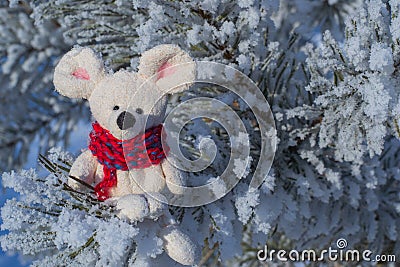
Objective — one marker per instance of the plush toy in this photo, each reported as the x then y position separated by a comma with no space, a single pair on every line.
125,160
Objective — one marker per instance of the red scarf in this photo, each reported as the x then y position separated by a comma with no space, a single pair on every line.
140,152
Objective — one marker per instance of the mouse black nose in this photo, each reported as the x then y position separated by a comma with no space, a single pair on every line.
125,120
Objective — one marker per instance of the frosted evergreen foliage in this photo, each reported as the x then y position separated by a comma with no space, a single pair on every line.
356,86
218,30
308,17
55,225
29,107
336,107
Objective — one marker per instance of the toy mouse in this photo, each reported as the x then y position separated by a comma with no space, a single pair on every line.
126,160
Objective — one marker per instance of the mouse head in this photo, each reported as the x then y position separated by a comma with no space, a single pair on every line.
125,103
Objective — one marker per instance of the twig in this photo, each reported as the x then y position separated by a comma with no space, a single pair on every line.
208,255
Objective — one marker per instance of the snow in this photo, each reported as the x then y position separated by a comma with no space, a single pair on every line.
245,204
381,58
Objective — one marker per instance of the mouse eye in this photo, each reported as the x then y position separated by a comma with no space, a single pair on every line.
139,111
115,107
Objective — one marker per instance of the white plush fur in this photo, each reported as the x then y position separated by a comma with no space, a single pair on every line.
175,178
179,246
181,67
84,168
81,74
133,207
124,89
75,59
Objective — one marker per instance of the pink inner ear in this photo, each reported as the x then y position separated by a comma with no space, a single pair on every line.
81,73
165,70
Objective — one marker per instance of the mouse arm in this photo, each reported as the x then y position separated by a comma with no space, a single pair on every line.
84,168
174,177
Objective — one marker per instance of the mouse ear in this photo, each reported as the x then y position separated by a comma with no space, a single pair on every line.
77,73
171,68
